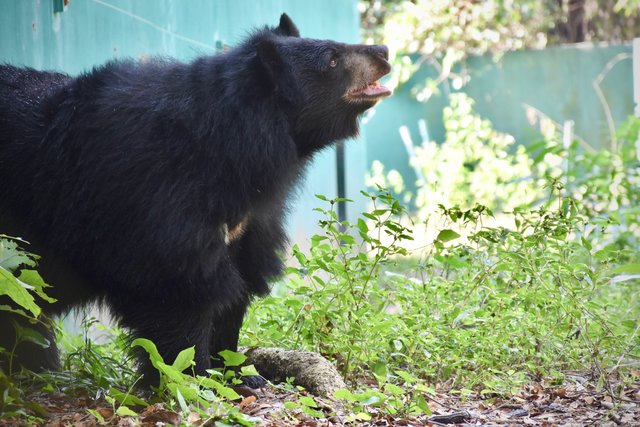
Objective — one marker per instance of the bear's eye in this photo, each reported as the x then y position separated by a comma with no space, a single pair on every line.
333,63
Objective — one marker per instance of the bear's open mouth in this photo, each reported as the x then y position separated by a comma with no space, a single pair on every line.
370,91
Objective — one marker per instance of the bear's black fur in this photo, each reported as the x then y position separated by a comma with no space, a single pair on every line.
159,188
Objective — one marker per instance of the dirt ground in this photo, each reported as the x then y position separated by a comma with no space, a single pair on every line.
578,403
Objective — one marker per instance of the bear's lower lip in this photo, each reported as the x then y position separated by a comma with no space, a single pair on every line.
371,91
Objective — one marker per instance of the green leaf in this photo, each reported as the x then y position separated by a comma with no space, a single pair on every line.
314,413
232,358
17,291
126,398
186,392
170,372
370,398
300,257
226,392
12,257
151,348
422,404
322,264
123,411
380,371
9,309
347,239
393,389
344,394
447,235
308,401
208,382
183,404
97,415
184,359
363,416
407,377
33,278
316,279
291,405
31,335
249,371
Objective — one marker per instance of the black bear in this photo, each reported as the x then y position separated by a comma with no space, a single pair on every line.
158,188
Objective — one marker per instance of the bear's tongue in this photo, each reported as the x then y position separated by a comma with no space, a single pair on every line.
375,89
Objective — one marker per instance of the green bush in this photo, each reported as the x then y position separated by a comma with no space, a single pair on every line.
474,165
22,286
483,304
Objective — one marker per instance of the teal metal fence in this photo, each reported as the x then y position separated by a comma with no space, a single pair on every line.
89,32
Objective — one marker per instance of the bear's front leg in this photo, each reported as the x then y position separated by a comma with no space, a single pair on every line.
226,331
256,254
172,327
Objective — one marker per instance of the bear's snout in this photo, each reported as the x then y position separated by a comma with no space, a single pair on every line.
380,50
378,56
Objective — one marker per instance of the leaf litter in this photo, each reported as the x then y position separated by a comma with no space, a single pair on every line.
577,402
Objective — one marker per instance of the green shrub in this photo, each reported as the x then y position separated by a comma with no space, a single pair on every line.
479,303
23,286
474,165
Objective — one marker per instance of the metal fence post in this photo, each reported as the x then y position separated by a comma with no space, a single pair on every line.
636,86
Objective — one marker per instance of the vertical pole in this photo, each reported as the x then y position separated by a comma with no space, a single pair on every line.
342,192
636,75
567,139
58,6
636,86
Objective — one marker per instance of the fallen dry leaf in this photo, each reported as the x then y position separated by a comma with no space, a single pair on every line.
163,416
247,401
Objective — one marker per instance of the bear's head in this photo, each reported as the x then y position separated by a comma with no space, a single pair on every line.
323,85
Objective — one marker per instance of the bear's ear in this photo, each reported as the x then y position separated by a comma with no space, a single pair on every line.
270,57
281,79
287,27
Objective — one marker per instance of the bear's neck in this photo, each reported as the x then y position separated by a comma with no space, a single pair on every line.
309,141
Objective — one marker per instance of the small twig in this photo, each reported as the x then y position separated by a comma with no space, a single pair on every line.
603,100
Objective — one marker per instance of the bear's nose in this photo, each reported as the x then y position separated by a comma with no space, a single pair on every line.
380,50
